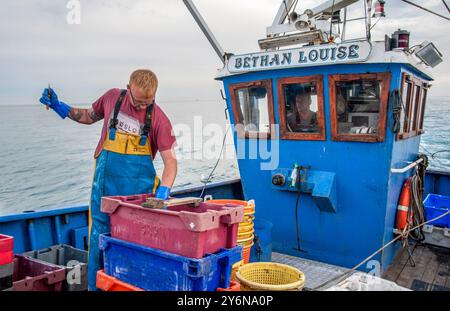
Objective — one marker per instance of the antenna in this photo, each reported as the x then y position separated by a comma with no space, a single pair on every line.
309,27
205,29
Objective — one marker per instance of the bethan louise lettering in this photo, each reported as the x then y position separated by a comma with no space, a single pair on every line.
315,55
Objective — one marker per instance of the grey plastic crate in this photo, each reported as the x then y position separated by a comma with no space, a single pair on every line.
6,270
73,259
6,276
437,236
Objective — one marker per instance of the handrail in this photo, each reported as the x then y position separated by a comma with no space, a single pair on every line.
406,168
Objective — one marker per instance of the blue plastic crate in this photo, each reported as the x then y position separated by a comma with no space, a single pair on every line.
436,205
156,270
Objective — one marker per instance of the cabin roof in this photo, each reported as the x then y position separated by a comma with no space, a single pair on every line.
367,53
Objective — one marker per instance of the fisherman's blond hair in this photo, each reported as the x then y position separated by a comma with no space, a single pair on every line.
145,80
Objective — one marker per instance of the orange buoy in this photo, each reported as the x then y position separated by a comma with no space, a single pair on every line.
403,206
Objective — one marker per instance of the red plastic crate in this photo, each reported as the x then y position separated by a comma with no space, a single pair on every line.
110,284
6,249
184,229
35,275
234,287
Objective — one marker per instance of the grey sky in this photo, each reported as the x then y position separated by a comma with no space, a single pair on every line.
115,37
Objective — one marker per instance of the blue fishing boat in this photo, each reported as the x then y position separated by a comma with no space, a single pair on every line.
326,131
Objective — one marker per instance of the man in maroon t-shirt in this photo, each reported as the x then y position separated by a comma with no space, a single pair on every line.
134,129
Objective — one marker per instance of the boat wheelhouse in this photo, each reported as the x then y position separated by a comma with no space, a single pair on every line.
323,128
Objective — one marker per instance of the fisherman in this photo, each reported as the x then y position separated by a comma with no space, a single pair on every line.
303,119
134,129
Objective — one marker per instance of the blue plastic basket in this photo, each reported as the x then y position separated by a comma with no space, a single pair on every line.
262,248
155,270
436,205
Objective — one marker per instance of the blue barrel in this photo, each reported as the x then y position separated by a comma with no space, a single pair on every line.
262,249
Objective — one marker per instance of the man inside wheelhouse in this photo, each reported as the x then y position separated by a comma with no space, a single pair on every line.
302,118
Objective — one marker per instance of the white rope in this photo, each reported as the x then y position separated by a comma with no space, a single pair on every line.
403,235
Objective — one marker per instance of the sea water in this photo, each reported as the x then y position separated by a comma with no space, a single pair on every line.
47,162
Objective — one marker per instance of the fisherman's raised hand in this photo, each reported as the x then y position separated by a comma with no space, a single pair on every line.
50,99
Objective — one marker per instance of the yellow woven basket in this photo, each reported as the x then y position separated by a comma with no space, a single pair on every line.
235,268
270,276
246,241
245,227
244,235
249,206
248,220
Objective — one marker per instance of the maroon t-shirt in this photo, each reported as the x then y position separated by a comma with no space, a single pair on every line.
132,121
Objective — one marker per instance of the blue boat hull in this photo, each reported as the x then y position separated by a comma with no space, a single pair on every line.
37,230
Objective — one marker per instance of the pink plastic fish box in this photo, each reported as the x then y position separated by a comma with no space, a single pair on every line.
185,229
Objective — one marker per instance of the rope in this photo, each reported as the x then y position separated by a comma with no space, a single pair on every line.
296,208
330,37
427,10
396,107
375,23
445,3
379,250
416,199
418,219
433,154
217,162
365,20
287,11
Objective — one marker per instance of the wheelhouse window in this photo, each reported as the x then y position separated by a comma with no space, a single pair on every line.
300,103
252,105
412,110
359,106
405,106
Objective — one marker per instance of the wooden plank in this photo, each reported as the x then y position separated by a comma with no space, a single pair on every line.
159,203
447,283
179,201
431,269
409,273
440,273
440,276
397,266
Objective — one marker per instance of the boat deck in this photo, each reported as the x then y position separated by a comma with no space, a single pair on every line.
431,271
317,272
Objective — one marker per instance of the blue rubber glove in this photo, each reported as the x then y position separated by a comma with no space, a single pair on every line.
62,109
162,192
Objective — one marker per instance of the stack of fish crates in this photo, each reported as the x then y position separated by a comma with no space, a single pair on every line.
437,232
21,273
71,259
184,247
6,262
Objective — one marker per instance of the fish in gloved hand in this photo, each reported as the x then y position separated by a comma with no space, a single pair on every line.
50,99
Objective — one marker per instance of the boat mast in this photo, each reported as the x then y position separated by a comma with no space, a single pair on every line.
205,29
368,18
283,11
